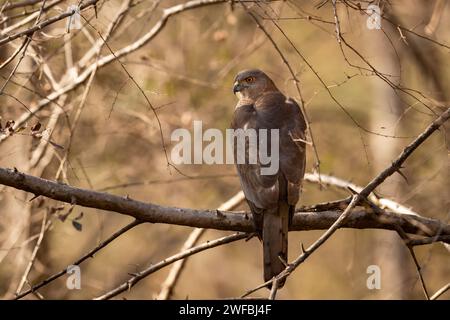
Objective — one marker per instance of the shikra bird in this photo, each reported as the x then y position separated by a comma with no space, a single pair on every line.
271,197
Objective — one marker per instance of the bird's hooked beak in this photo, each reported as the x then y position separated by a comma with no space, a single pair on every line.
237,87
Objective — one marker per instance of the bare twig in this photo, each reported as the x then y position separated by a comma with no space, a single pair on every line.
440,292
175,272
336,22
165,181
181,255
424,241
419,273
383,203
405,238
15,53
27,18
438,11
19,4
43,24
11,74
90,254
274,289
33,255
397,163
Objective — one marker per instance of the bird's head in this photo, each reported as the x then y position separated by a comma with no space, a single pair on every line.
250,84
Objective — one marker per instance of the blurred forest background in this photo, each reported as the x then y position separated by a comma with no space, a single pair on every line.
112,141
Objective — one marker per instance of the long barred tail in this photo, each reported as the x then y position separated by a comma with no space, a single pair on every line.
275,240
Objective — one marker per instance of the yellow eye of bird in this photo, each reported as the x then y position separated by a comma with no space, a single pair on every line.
249,79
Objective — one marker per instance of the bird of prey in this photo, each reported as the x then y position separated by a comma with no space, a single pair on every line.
271,198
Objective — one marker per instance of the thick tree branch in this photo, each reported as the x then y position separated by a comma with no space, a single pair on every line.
216,219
